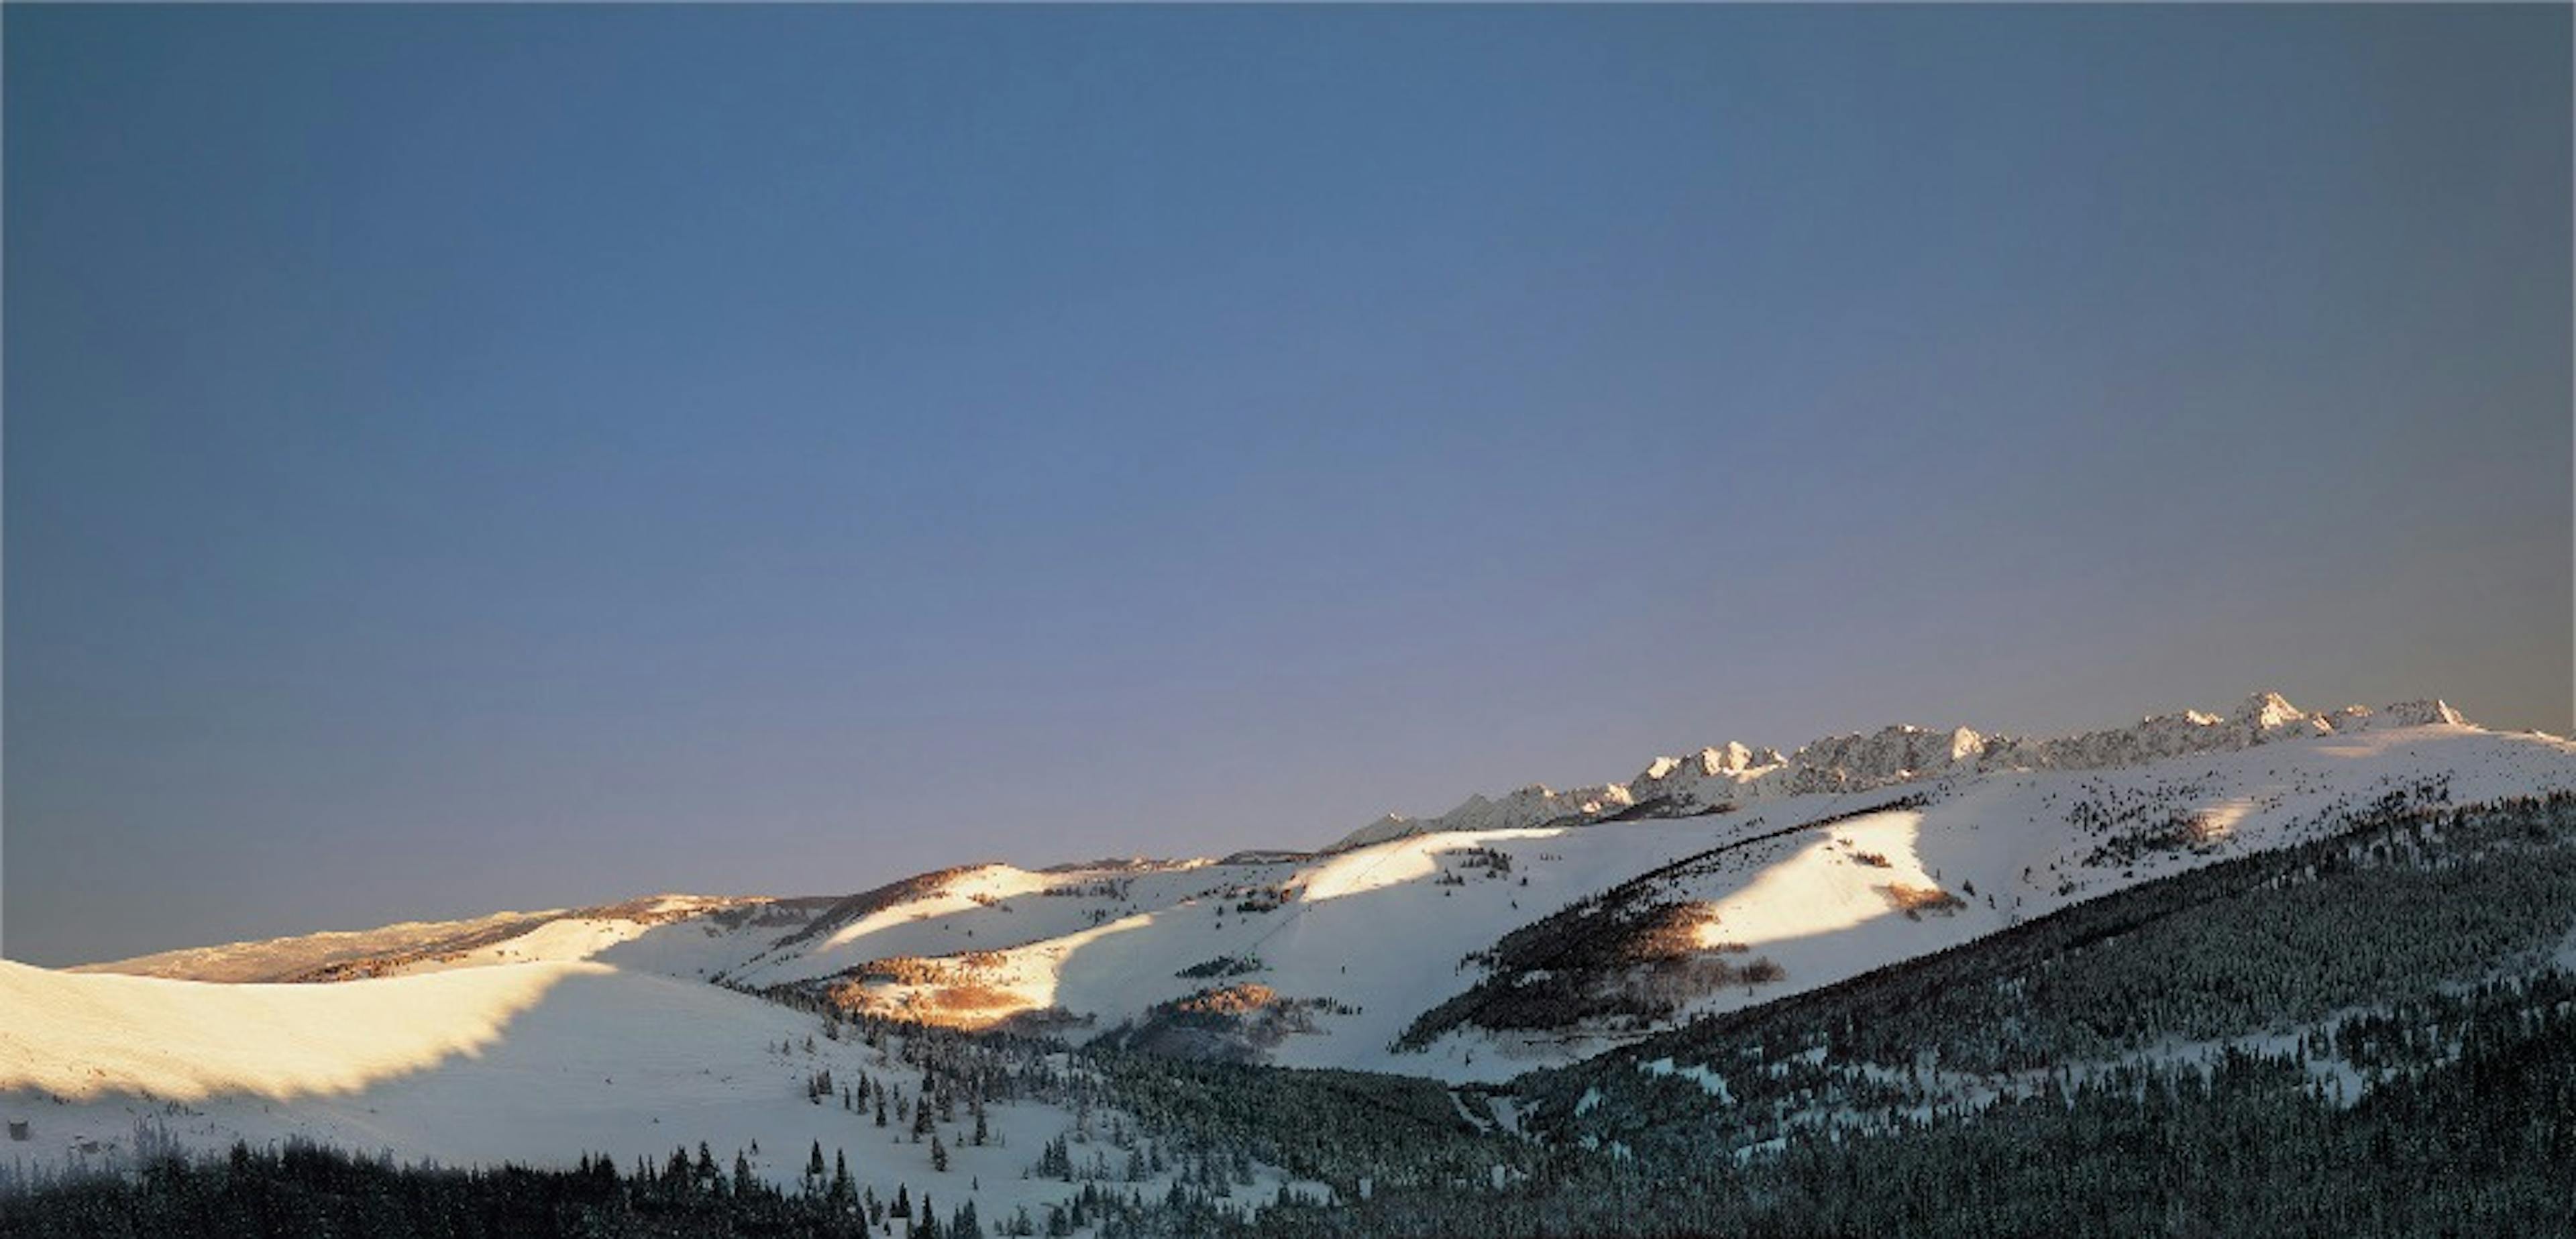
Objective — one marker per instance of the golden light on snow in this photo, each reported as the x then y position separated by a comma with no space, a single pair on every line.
962,896
83,1036
1406,860
1043,978
2218,821
1826,886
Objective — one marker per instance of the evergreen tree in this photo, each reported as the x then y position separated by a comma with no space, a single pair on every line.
844,1192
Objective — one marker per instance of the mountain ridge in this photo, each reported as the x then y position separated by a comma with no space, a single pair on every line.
1478,969
1721,777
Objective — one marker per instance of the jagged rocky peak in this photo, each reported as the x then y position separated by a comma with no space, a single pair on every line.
2425,713
1889,753
2269,714
1664,774
1534,804
2428,712
1734,758
1735,772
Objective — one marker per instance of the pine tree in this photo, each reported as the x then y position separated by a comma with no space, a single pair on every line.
938,1155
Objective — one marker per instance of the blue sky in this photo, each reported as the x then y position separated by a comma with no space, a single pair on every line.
490,457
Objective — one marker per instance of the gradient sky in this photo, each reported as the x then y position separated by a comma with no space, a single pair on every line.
496,458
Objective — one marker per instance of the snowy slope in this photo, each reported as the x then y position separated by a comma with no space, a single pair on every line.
1383,930
1339,954
681,935
277,959
532,1062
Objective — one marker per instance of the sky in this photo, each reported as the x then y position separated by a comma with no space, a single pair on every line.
482,458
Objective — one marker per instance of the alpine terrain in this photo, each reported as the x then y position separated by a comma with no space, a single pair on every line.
2267,970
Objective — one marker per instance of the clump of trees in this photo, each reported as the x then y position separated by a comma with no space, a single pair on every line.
1222,966
302,1189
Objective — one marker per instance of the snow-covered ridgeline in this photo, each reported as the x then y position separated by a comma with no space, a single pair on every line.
1734,773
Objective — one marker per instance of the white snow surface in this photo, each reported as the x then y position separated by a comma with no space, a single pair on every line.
1733,773
536,1063
508,1049
1384,929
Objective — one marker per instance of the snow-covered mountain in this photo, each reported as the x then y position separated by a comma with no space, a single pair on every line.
1531,931
1731,774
